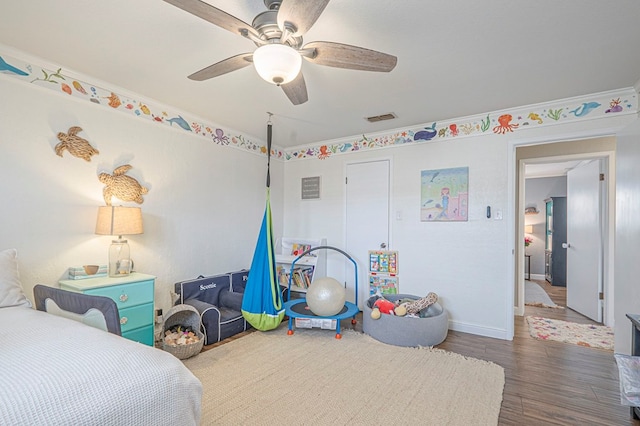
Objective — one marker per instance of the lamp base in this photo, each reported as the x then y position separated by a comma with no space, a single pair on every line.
119,258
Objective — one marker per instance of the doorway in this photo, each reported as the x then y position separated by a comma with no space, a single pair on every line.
564,222
547,153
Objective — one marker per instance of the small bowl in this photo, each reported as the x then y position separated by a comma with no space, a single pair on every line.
91,269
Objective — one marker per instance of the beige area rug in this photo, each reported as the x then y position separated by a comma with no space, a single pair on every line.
311,378
534,295
591,336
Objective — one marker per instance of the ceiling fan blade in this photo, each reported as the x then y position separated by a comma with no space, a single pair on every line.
302,14
230,64
351,57
296,90
214,15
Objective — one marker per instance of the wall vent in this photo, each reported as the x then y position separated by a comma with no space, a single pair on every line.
376,118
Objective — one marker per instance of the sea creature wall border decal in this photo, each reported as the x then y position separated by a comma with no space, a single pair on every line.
506,122
620,102
60,82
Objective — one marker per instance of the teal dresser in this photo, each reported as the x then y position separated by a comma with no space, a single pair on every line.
134,296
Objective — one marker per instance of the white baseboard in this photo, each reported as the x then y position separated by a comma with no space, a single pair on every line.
495,333
537,277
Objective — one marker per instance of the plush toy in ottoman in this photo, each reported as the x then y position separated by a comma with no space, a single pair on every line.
426,327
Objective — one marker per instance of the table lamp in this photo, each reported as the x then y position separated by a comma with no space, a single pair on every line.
119,221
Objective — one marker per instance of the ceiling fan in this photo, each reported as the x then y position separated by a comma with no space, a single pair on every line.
278,34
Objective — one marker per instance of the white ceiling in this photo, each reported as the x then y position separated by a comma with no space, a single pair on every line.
455,58
559,168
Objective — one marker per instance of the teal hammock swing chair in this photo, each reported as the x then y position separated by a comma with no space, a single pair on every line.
262,305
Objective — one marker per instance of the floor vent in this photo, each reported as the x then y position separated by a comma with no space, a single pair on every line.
376,118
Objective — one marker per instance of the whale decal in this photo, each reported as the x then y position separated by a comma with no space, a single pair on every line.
427,134
6,68
180,122
585,109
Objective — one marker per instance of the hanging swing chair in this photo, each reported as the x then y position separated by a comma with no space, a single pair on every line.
262,302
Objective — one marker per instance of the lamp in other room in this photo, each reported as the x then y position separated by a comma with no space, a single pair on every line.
119,220
528,229
277,63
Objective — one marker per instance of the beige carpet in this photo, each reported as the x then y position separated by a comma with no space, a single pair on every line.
311,378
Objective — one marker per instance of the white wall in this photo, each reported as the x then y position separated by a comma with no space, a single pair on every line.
205,203
470,265
627,267
463,262
201,215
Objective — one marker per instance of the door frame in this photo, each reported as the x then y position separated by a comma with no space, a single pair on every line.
606,211
515,218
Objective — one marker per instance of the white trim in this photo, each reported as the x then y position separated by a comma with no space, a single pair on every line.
495,333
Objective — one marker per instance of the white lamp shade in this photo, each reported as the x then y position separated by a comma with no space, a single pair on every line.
528,229
277,63
119,220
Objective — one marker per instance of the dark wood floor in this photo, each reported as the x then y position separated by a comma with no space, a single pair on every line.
547,383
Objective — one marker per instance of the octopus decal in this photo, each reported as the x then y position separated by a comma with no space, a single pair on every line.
505,124
324,152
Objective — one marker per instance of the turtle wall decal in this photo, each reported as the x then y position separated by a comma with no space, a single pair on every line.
121,186
77,146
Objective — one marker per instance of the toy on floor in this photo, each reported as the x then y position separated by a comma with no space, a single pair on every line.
326,297
384,306
302,307
402,307
420,304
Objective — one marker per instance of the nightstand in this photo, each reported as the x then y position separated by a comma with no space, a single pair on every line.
134,295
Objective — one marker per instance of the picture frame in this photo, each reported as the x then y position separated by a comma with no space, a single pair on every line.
444,195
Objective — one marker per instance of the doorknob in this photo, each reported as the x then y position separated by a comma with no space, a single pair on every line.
566,245
383,245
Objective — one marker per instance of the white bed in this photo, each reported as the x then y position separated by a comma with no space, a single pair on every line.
56,371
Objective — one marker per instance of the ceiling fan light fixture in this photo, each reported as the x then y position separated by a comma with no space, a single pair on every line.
277,63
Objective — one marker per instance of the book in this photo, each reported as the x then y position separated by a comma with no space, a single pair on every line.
297,249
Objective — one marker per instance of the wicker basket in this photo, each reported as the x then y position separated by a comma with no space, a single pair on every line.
185,315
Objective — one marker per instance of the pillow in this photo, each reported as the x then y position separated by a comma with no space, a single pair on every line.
432,311
10,287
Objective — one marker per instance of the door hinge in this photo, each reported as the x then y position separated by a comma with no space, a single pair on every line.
345,180
601,177
601,296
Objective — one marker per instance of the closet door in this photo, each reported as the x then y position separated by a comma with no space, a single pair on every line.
367,219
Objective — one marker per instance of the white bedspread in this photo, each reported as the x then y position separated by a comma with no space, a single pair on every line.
54,371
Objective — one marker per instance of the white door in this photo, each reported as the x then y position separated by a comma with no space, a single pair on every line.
584,240
367,219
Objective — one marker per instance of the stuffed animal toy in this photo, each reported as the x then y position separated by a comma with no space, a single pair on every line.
416,306
384,306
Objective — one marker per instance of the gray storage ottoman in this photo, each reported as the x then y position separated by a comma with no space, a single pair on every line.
406,331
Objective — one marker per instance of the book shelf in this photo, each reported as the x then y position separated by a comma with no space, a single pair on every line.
310,266
383,272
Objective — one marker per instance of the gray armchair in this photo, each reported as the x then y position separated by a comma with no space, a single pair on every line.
220,308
